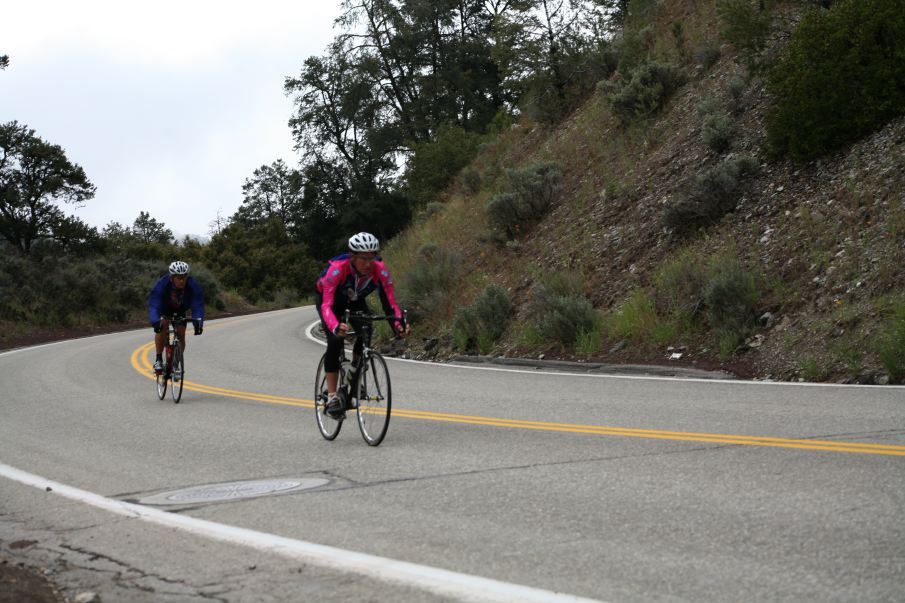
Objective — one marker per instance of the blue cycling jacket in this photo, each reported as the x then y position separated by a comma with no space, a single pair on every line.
166,299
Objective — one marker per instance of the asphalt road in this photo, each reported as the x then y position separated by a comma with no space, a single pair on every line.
491,484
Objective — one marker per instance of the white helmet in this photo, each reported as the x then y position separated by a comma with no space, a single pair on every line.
364,241
178,267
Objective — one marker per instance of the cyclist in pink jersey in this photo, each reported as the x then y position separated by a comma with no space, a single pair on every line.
343,285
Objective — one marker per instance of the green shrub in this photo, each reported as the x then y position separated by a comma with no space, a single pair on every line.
210,284
485,343
707,55
484,321
434,163
553,91
285,298
727,343
891,348
505,213
842,76
707,106
542,101
812,370
493,309
718,131
736,87
426,286
460,339
60,291
552,285
256,261
471,178
679,285
645,91
560,311
566,318
633,49
537,186
709,197
678,36
528,337
634,319
744,26
664,332
465,327
588,343
530,194
730,296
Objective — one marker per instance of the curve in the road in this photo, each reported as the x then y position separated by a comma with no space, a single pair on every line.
141,362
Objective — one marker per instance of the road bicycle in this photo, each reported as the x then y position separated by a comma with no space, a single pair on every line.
173,361
363,386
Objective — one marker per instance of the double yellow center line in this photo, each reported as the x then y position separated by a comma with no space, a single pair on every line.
141,362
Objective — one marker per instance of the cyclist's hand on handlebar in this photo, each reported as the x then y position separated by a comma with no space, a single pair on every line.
156,326
199,326
402,330
342,329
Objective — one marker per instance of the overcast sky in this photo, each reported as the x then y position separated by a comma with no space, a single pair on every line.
168,106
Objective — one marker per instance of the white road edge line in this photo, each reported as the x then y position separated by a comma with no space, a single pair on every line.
625,377
462,587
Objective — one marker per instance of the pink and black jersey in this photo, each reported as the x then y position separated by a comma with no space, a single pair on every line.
340,285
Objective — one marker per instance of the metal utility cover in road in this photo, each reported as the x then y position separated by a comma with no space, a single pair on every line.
233,491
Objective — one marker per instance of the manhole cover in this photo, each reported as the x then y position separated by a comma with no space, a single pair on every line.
233,491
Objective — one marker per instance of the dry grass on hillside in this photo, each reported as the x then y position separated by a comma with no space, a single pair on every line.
824,240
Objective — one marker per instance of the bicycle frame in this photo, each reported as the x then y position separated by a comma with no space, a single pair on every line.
173,348
173,331
364,387
364,330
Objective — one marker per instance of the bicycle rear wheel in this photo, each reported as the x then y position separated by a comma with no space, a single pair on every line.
177,372
328,426
374,400
162,379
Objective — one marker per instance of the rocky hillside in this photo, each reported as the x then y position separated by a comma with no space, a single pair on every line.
823,241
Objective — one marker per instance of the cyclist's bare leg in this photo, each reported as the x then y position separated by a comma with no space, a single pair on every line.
180,333
160,338
332,381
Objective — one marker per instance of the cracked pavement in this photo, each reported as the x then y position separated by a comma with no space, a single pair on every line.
516,497
78,548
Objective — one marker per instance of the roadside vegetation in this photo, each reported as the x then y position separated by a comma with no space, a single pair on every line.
686,223
709,182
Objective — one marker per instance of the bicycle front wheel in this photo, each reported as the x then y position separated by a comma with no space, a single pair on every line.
162,380
328,426
177,372
374,400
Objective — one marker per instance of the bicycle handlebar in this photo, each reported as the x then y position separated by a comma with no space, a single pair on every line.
178,320
347,316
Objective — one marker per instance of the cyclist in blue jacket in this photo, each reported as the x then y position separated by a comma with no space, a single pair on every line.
173,295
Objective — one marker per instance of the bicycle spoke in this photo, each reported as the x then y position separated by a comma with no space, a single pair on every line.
328,426
177,373
374,400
